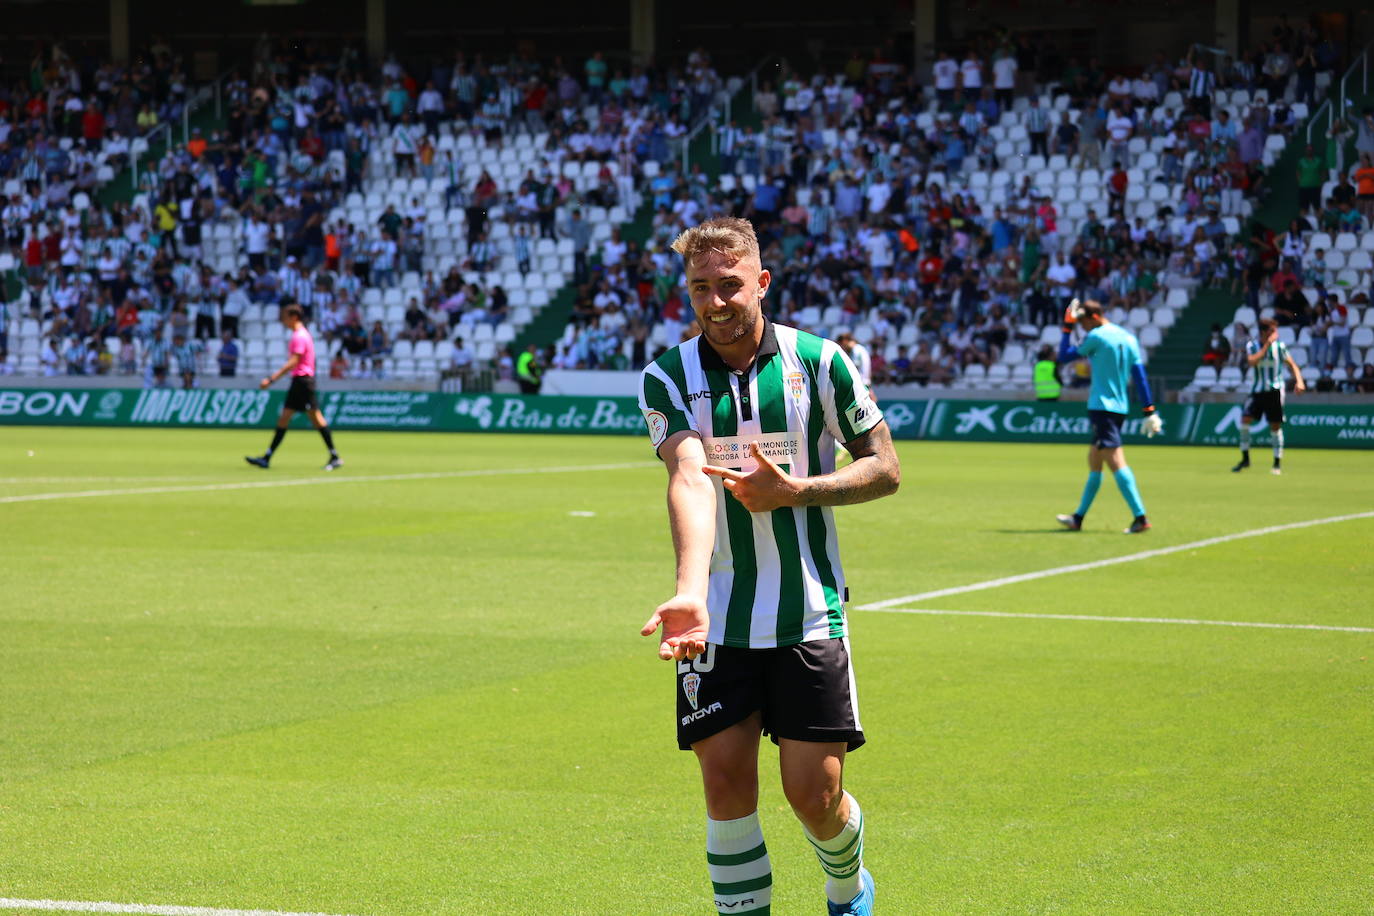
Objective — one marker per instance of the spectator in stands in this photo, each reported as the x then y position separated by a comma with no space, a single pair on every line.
338,365
228,356
945,74
460,362
1290,305
1364,185
157,361
1338,335
1201,84
417,323
1217,353
1318,339
1004,68
378,348
186,352
1277,66
1310,174
74,356
1120,128
1037,122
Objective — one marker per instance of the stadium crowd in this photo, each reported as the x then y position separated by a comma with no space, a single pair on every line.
306,135
945,221
932,218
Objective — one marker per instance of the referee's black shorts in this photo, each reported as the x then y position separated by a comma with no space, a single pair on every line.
804,692
301,395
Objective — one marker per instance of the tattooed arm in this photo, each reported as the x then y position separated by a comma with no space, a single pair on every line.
874,473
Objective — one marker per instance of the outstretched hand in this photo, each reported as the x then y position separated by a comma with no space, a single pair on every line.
685,624
763,489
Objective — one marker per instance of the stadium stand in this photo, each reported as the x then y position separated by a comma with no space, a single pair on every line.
945,223
416,213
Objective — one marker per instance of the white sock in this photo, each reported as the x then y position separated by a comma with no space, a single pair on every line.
1244,435
842,856
1278,444
741,874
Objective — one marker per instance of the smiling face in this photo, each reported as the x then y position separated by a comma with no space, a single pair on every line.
727,296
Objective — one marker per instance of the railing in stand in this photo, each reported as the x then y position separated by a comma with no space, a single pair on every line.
721,113
1334,107
194,102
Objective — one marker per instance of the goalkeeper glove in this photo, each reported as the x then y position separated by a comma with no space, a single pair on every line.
1153,424
1071,315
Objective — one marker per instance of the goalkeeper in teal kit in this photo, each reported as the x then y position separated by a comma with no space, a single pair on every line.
1115,356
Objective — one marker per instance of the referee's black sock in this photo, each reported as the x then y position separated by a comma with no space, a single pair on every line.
277,436
328,441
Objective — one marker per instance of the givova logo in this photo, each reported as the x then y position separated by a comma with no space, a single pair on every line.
700,714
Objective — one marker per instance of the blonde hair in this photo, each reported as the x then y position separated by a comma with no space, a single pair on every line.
729,236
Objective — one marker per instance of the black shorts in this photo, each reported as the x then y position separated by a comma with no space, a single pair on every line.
805,692
1106,428
301,395
1267,404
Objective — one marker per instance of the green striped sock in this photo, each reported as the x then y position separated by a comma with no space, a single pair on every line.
741,874
842,856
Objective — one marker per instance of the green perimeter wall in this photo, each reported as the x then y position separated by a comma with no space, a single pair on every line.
1318,425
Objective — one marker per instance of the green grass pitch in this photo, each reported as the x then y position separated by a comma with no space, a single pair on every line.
427,694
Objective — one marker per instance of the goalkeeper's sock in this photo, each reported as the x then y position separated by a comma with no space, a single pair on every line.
1089,493
842,856
741,873
277,436
1278,446
1125,482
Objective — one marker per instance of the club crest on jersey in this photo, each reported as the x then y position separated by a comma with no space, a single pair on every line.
796,383
691,683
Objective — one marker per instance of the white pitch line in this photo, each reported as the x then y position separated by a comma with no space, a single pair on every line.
144,479
331,479
92,906
1104,619
1110,561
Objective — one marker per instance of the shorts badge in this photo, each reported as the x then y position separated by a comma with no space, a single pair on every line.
691,683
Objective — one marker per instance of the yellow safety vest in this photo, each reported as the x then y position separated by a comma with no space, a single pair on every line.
1047,387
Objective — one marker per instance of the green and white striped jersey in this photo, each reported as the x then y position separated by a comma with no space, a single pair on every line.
1268,372
776,578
